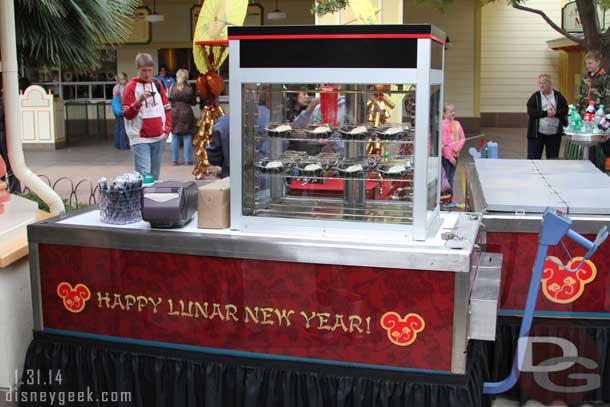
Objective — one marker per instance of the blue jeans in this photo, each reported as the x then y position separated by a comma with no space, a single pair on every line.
449,170
147,157
187,140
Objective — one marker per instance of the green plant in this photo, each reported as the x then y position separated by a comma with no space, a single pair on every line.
324,7
80,205
44,207
33,197
69,32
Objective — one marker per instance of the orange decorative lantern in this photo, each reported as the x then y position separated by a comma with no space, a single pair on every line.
202,87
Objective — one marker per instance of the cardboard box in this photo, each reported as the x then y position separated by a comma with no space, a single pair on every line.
214,205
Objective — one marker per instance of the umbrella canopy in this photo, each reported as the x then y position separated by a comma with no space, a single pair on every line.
214,18
364,12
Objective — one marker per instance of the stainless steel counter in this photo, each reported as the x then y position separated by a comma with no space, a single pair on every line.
436,253
513,194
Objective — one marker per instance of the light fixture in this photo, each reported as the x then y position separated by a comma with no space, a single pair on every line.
276,14
155,17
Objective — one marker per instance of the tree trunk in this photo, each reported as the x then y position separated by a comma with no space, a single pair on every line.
605,49
587,9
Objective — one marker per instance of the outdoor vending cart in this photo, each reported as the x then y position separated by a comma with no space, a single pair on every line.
344,298
512,196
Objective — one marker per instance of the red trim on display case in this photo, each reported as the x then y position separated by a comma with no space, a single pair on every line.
332,36
212,42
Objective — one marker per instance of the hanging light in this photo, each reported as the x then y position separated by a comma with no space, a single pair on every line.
276,14
155,17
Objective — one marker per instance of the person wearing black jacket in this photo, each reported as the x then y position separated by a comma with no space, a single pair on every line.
218,150
548,115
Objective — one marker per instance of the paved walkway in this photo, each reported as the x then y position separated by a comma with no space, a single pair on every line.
90,162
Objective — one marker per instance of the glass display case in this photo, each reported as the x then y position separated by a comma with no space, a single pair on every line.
327,140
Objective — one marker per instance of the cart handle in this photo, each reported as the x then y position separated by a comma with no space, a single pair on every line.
554,227
592,247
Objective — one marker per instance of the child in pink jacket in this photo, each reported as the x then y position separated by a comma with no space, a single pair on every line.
453,140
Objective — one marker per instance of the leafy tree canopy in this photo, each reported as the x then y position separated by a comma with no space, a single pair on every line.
70,32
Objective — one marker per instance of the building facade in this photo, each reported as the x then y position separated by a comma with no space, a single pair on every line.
493,58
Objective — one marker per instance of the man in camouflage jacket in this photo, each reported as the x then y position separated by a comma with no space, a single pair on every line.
595,87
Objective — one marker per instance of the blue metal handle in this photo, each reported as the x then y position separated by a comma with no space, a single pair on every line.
580,239
601,237
554,228
592,247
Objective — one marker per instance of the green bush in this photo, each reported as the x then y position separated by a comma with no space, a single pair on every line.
44,207
33,197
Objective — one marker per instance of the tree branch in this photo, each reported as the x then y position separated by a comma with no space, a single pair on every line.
550,22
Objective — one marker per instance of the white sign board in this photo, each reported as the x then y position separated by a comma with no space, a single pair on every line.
570,19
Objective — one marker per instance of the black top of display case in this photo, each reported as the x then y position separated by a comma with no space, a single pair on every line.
337,31
336,46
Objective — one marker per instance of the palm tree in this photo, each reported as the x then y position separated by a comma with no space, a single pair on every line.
69,32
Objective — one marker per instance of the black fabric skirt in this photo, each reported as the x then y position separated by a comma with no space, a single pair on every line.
156,377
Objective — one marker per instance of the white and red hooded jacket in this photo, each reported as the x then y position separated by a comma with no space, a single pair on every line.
150,121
